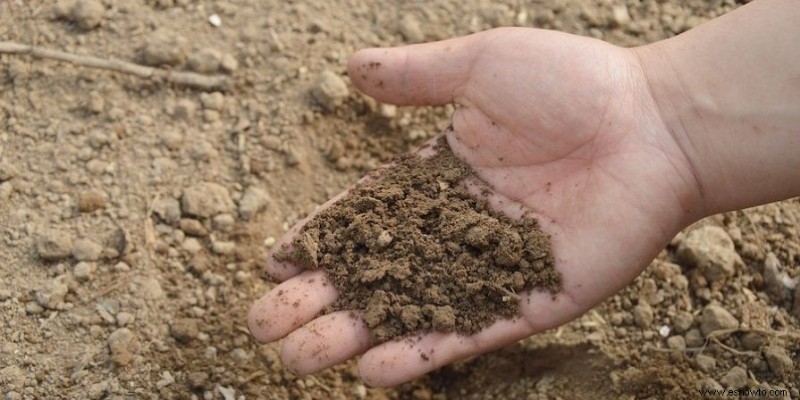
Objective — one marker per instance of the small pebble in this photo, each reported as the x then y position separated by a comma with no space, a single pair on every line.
193,227
192,245
121,267
54,246
360,391
330,90
228,64
253,201
241,355
87,14
676,342
150,289
705,363
86,250
664,331
98,390
683,321
166,380
91,200
736,378
711,250
122,343
213,101
214,20
197,380
620,15
168,209
388,111
751,341
184,329
96,103
643,315
206,200
83,271
33,308
716,318
6,189
694,338
205,61
775,279
410,29
185,109
124,318
12,377
241,276
7,172
223,222
269,241
223,248
164,48
52,294
172,139
779,361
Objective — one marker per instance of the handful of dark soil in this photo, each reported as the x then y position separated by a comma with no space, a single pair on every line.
415,252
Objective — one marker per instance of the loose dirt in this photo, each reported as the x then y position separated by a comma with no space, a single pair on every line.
415,251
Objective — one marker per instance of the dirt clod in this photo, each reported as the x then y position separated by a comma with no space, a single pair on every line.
123,344
54,246
205,61
253,201
206,200
414,251
643,315
716,318
184,329
7,171
87,14
86,250
779,362
52,294
91,200
711,250
736,378
164,48
330,90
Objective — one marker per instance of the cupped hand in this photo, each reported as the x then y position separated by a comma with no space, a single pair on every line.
562,126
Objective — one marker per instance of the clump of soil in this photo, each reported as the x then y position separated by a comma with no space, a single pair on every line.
414,251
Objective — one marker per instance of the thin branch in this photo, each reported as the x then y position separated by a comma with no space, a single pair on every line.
189,79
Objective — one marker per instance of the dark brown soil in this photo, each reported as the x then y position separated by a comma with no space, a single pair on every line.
414,251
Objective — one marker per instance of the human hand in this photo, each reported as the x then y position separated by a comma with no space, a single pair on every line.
564,126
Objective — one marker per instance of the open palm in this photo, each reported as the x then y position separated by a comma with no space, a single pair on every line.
560,126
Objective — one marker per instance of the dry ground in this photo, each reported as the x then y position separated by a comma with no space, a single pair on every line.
134,302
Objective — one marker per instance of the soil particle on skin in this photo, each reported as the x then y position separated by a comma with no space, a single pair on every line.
414,251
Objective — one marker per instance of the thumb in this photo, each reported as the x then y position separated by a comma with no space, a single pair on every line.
420,74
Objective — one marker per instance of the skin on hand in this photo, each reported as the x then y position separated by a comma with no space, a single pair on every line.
560,125
613,150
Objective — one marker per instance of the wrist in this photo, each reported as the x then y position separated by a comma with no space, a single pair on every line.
725,94
676,119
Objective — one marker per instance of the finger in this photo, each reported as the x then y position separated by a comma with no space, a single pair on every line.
283,270
324,342
290,305
420,74
396,362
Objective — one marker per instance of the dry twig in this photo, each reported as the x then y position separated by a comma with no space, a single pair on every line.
189,79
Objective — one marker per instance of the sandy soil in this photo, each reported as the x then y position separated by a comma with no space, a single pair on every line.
134,215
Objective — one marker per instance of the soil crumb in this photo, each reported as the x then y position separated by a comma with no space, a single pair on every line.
414,251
